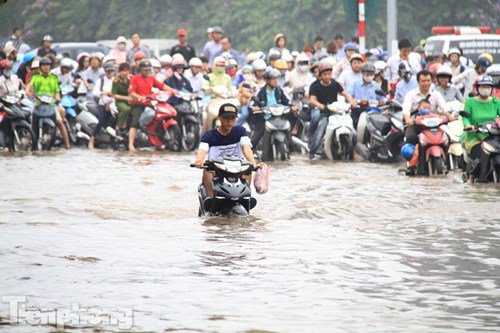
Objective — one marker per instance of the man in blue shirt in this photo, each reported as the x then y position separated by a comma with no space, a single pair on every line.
225,140
407,82
364,89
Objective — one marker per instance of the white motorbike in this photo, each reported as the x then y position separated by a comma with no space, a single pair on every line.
454,129
340,135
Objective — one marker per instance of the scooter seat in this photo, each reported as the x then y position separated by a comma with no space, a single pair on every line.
381,122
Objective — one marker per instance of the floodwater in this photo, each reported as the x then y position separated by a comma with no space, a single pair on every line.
105,241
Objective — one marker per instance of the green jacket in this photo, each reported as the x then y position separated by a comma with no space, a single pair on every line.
480,112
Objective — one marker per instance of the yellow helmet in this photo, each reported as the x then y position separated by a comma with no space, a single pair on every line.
281,64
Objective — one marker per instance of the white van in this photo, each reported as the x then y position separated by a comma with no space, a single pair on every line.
471,40
156,45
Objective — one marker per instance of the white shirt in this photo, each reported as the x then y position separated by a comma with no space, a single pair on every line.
413,97
10,85
107,86
196,80
393,67
348,77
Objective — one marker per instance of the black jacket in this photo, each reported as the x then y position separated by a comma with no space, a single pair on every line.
278,93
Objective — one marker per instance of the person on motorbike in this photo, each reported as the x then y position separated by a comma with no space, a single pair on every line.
218,77
454,62
120,50
380,67
63,72
166,68
467,78
139,89
482,108
135,66
393,62
103,90
214,45
282,66
120,93
178,81
349,76
411,108
494,72
9,82
156,72
194,75
257,80
364,90
344,63
232,71
46,49
46,83
407,82
269,95
323,92
300,76
34,69
92,74
449,91
225,140
226,48
280,42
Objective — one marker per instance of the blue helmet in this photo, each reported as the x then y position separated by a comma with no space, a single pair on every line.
29,56
485,79
483,63
351,46
407,151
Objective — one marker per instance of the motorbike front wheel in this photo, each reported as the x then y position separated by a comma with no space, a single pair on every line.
173,138
435,165
192,138
22,139
47,137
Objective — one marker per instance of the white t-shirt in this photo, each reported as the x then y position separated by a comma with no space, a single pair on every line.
10,85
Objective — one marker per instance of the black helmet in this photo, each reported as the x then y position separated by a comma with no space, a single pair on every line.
145,64
45,61
273,73
368,67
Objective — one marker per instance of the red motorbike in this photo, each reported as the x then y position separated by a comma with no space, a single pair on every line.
433,142
159,124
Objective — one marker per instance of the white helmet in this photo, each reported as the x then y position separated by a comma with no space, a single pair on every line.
287,57
444,71
66,62
301,58
260,55
195,62
107,58
259,65
165,59
380,66
177,56
454,50
155,63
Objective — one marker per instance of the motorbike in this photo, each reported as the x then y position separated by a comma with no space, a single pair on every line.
159,123
277,133
15,131
454,130
432,142
232,193
86,122
46,135
340,135
189,120
380,132
490,145
69,104
304,117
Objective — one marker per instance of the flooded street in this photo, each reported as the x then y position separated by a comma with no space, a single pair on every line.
332,247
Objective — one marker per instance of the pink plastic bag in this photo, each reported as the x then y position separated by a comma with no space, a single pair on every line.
261,181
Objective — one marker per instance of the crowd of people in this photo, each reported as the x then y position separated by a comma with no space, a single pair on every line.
260,78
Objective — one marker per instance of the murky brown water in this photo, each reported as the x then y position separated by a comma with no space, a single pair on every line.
333,247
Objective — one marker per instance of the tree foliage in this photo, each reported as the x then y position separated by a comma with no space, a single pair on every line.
250,24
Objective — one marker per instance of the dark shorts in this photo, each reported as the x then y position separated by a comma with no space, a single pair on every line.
136,111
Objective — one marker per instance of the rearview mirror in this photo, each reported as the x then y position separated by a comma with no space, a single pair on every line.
464,114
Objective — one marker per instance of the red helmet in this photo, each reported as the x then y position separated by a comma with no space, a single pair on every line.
5,63
139,55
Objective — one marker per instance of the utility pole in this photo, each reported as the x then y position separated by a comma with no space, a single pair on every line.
392,26
361,20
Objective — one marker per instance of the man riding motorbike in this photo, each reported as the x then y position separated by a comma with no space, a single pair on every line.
449,91
324,91
407,82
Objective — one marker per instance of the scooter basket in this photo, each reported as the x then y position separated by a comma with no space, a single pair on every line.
146,117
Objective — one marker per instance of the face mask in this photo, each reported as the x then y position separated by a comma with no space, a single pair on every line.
247,77
424,111
368,78
219,69
231,71
303,68
122,47
485,91
8,74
